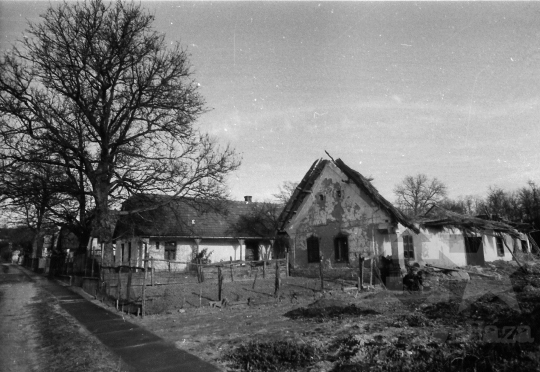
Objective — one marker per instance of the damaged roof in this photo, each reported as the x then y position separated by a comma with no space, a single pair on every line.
165,216
440,217
305,186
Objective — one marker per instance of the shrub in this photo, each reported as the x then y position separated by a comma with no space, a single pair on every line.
328,312
272,356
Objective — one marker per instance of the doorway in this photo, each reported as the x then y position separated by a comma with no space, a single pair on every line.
252,250
474,250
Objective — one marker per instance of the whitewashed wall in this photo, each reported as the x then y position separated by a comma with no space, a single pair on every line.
447,246
222,250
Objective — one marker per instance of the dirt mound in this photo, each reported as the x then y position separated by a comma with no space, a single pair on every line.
325,309
327,302
442,310
491,308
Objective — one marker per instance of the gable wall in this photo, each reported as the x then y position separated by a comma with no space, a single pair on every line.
353,214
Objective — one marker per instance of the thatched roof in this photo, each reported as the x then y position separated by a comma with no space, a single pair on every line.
300,193
359,180
163,216
440,217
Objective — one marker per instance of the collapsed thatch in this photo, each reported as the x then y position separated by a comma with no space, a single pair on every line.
440,217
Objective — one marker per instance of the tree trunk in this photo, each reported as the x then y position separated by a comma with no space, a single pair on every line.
103,224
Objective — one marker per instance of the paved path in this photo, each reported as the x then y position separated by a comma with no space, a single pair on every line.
140,349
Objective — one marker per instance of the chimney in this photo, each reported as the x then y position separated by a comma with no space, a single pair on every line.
247,198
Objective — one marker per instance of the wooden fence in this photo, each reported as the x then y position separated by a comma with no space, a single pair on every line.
127,285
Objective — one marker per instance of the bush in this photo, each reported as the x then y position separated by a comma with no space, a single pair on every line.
417,356
272,356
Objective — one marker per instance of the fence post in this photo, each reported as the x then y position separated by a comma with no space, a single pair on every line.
232,274
92,274
200,270
152,271
276,284
144,285
321,272
287,273
371,271
255,281
360,272
119,289
220,283
128,289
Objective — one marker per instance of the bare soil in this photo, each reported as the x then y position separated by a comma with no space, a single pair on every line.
447,314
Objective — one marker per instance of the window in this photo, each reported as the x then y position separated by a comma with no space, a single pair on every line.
123,253
408,247
500,247
129,253
341,249
524,246
313,249
170,250
157,245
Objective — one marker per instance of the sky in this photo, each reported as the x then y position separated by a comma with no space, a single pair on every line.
451,89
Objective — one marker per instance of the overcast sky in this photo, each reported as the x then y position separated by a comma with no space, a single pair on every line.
451,90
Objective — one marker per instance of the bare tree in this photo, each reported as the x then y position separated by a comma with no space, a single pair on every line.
530,203
468,204
28,193
262,220
416,193
95,90
505,204
285,192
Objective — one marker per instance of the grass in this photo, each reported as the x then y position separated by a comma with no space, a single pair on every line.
66,346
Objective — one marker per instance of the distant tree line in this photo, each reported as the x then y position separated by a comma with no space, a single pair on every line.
416,194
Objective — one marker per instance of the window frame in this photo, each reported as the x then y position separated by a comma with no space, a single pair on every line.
408,247
313,249
341,251
499,244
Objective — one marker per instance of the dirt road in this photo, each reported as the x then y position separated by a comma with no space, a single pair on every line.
18,335
36,334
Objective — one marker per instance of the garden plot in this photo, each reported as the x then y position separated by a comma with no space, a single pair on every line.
455,325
